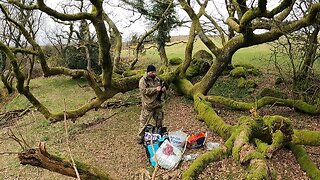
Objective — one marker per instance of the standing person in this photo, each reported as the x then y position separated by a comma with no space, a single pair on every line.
151,89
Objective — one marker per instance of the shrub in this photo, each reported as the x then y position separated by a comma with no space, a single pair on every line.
175,61
273,93
200,63
238,72
76,58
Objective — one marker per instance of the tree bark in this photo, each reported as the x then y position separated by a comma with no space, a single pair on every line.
39,157
163,55
310,53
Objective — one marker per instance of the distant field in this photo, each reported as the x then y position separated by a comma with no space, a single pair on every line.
259,55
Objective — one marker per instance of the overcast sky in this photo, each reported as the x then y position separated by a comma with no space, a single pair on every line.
122,18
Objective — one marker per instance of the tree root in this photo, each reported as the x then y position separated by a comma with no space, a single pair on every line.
269,133
306,137
41,158
210,117
305,162
199,164
297,104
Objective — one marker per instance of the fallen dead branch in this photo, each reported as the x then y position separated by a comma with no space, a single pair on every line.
39,157
118,104
10,117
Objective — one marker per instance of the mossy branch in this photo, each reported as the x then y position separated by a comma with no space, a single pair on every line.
306,137
210,117
297,104
39,157
199,164
305,162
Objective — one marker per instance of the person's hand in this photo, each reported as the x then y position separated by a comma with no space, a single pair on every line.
163,89
158,88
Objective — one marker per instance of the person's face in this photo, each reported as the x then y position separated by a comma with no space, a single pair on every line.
152,74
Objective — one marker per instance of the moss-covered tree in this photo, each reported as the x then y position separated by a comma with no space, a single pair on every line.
252,139
246,142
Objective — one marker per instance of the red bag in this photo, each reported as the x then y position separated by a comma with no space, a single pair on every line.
196,140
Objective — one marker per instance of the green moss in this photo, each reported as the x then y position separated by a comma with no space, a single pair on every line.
273,93
202,161
255,72
229,143
251,90
210,117
175,61
131,73
82,167
202,55
250,84
192,71
305,162
241,82
261,146
242,133
306,137
244,65
184,87
200,64
258,170
228,87
238,72
253,155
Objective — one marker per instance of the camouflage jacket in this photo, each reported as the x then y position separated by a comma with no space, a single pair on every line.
149,95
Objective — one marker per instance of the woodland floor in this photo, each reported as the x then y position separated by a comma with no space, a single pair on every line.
111,145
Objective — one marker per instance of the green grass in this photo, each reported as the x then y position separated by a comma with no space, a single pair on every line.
258,55
51,92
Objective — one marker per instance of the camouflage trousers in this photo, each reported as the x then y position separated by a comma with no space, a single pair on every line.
146,115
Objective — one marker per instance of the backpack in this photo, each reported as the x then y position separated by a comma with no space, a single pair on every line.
196,140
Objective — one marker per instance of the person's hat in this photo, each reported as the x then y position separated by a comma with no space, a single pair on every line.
151,68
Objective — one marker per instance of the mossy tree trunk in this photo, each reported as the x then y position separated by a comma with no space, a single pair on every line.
163,55
311,53
117,46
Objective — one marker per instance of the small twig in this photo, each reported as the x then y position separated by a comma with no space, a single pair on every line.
155,158
99,121
23,112
15,138
67,139
313,153
23,140
9,153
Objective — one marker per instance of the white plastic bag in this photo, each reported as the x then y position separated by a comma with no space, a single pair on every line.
168,156
178,138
